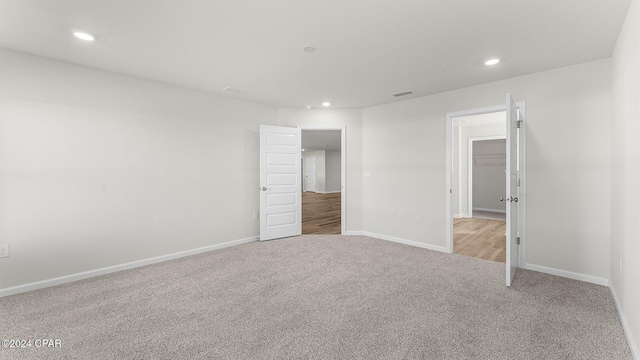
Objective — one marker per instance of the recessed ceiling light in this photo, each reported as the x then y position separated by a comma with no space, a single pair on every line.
308,107
309,49
492,62
82,35
302,149
326,104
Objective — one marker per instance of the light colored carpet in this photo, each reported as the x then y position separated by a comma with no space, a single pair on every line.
318,297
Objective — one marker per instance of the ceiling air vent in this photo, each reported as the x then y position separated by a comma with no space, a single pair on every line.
402,93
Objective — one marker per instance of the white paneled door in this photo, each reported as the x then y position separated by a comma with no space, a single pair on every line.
512,189
310,173
280,188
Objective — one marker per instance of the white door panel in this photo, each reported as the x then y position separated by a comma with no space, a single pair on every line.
288,199
280,190
310,173
512,189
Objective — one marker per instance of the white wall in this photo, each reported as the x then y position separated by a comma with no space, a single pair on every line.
332,171
320,173
352,119
568,156
461,153
98,169
625,200
489,177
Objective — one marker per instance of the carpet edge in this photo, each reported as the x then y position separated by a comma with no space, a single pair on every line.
120,267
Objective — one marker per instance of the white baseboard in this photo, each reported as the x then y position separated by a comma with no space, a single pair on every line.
625,325
567,274
329,192
353,233
490,210
461,215
111,269
406,242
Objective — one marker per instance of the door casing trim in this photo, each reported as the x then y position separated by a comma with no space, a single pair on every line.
343,168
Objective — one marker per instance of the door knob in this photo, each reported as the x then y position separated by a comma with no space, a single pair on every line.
501,198
264,188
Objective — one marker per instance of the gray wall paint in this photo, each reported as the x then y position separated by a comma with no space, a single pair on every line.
489,178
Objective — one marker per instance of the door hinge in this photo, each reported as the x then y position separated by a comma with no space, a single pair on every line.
518,123
518,240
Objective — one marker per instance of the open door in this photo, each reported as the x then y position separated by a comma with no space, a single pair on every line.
280,188
512,189
309,174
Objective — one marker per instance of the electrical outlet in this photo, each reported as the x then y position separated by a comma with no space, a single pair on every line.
418,219
4,250
256,215
400,216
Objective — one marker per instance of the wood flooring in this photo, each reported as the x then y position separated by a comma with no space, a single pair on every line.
321,213
477,237
480,238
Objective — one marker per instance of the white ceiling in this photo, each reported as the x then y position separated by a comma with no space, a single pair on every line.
366,49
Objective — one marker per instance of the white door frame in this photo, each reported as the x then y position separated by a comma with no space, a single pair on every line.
343,168
522,177
470,167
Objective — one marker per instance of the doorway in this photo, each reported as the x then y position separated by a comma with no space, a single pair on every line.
323,193
479,230
514,198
